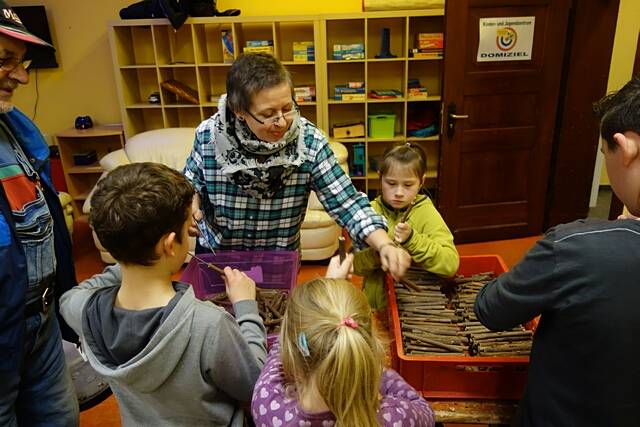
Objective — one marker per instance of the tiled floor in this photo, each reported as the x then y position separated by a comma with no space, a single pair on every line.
87,261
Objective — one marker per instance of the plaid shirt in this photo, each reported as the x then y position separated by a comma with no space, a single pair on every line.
238,221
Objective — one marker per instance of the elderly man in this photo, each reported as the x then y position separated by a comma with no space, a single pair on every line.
35,249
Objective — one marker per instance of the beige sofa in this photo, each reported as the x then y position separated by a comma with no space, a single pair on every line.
171,146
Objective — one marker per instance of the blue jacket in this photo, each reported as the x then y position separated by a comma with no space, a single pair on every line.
13,265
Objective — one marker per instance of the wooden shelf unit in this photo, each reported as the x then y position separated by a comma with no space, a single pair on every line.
383,73
81,179
147,52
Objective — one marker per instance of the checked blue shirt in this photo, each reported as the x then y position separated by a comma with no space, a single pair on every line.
238,221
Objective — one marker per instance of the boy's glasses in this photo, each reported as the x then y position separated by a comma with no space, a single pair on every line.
287,115
12,62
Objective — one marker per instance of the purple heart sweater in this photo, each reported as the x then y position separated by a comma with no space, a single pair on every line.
401,404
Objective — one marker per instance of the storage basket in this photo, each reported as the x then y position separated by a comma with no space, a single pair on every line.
459,376
269,269
382,125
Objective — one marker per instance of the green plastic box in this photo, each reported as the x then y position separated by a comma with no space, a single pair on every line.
381,125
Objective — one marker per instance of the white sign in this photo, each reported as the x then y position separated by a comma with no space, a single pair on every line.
506,39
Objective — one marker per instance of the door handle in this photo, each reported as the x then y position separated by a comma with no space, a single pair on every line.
451,119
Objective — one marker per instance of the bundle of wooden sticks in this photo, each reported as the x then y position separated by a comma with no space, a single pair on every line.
272,304
439,319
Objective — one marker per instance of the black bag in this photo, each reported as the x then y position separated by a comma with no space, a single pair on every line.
176,12
145,9
206,8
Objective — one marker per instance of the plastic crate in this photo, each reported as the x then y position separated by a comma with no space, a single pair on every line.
278,270
381,125
459,376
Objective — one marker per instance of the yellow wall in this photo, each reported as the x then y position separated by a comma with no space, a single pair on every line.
84,83
624,49
300,7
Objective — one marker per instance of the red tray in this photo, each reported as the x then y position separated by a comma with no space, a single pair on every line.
459,376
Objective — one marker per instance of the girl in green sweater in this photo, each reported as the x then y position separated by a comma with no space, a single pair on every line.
423,233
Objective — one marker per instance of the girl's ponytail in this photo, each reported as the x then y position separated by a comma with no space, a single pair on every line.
328,339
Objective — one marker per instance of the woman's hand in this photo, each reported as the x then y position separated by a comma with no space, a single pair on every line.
394,260
337,270
402,232
238,285
196,215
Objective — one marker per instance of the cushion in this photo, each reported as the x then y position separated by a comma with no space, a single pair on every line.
317,218
114,159
169,146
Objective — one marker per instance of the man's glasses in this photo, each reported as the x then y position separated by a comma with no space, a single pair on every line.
287,115
11,63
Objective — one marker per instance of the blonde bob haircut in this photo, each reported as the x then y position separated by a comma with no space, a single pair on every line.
345,362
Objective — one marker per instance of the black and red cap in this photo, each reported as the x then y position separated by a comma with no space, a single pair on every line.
12,26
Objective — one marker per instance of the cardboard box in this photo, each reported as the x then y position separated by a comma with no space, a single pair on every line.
349,97
227,46
356,160
348,130
257,49
303,52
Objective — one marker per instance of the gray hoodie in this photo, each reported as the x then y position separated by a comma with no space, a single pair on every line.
194,370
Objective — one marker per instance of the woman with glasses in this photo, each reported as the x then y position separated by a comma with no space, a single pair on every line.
254,163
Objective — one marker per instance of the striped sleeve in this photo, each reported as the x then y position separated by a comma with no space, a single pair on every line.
348,207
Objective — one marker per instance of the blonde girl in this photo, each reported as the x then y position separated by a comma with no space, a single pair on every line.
329,366
423,233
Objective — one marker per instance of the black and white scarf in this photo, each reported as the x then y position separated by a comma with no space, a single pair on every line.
259,167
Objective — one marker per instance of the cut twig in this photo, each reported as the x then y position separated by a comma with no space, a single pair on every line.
405,215
209,265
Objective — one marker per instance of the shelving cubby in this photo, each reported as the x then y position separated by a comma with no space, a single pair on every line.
81,179
384,73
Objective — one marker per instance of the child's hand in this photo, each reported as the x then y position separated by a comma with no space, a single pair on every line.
402,232
336,270
239,286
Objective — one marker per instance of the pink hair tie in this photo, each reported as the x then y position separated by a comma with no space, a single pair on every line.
348,321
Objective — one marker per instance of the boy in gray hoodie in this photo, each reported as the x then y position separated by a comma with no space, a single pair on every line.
169,358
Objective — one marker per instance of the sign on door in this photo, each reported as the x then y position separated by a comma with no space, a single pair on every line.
506,38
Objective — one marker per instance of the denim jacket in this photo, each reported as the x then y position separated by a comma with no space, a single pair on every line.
13,264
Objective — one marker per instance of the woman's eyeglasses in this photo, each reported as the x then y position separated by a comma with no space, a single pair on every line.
287,115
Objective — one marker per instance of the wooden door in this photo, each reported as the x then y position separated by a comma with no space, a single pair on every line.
495,156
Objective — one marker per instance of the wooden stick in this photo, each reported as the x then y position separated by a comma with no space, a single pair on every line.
410,285
406,213
209,265
341,248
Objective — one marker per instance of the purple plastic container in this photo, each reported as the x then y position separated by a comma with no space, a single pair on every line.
279,270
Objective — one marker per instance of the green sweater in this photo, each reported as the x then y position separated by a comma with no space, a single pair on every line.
431,247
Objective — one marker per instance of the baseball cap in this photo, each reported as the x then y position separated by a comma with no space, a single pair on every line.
12,26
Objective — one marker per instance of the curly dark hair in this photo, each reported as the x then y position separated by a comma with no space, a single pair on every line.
251,73
619,112
135,205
